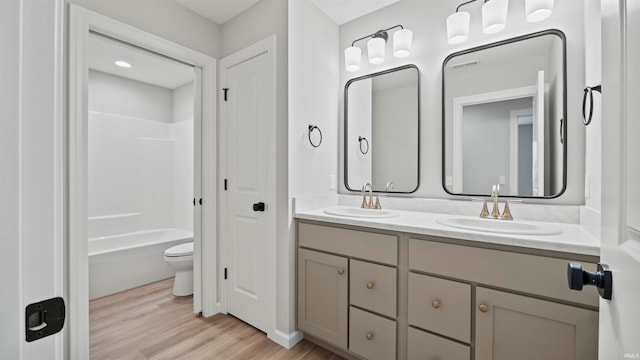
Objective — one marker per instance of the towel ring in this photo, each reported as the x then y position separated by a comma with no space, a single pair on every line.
311,128
589,91
361,139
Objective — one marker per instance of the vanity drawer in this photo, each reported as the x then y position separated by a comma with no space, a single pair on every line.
533,274
373,287
371,336
441,306
361,244
423,345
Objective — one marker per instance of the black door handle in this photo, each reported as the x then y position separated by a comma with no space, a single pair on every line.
258,206
602,279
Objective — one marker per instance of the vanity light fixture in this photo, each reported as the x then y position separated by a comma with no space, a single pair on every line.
376,47
494,17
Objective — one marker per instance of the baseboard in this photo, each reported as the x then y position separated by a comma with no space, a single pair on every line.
286,340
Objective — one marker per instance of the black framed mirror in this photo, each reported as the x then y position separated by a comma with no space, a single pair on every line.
382,131
504,118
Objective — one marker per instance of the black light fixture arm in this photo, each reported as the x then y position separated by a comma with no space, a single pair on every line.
465,3
380,33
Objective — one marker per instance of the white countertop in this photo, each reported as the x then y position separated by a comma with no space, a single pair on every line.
574,239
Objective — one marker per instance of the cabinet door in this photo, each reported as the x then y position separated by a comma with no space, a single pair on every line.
511,326
322,296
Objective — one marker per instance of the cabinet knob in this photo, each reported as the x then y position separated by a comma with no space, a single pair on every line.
340,271
436,358
435,304
369,285
483,308
369,335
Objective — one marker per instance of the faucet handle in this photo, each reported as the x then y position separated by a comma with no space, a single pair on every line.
506,212
484,213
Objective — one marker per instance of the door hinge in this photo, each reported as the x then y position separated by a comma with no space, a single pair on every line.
194,202
225,184
225,273
225,93
200,201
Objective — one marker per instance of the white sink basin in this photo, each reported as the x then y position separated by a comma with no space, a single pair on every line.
355,212
501,226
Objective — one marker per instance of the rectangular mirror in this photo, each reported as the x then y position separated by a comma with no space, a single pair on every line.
503,117
382,131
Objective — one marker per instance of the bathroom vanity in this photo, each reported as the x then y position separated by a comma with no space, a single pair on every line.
408,287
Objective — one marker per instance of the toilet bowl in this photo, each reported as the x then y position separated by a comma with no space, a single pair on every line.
180,258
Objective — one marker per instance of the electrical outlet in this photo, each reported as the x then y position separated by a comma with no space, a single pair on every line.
587,186
503,180
332,182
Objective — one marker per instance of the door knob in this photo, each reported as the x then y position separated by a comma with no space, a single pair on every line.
602,279
258,206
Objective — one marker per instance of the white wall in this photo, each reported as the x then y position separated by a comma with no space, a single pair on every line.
593,76
427,19
140,161
163,18
31,228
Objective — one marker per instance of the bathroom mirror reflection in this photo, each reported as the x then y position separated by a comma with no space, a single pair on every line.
381,136
504,112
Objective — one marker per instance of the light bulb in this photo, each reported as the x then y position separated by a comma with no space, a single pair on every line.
375,49
458,27
538,10
494,16
402,43
352,57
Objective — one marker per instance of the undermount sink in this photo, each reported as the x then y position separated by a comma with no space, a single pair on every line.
501,226
356,212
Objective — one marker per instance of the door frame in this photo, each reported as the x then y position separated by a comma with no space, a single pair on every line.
81,22
267,46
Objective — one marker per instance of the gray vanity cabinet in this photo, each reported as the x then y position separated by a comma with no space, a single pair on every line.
373,294
510,326
322,296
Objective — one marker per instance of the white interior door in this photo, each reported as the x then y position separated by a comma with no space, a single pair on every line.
247,228
620,316
538,136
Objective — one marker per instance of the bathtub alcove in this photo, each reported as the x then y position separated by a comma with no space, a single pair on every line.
140,166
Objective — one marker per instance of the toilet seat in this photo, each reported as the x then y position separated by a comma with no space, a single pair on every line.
181,250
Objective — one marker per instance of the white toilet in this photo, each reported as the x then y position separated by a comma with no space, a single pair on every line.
180,258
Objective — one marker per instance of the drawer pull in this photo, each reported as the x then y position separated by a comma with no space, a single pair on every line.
369,335
436,358
369,285
340,271
484,308
435,304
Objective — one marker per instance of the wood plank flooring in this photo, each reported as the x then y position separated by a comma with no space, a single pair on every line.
148,322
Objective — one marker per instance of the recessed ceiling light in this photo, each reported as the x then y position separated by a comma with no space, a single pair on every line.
123,64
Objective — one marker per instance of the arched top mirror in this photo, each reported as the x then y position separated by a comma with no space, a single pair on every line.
382,131
504,118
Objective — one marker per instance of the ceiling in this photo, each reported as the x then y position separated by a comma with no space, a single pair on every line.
340,11
145,66
343,11
218,11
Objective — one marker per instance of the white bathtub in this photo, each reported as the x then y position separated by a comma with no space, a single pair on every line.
124,261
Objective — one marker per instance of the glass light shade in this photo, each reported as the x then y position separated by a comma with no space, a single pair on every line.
494,16
402,43
352,57
538,10
458,27
375,49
